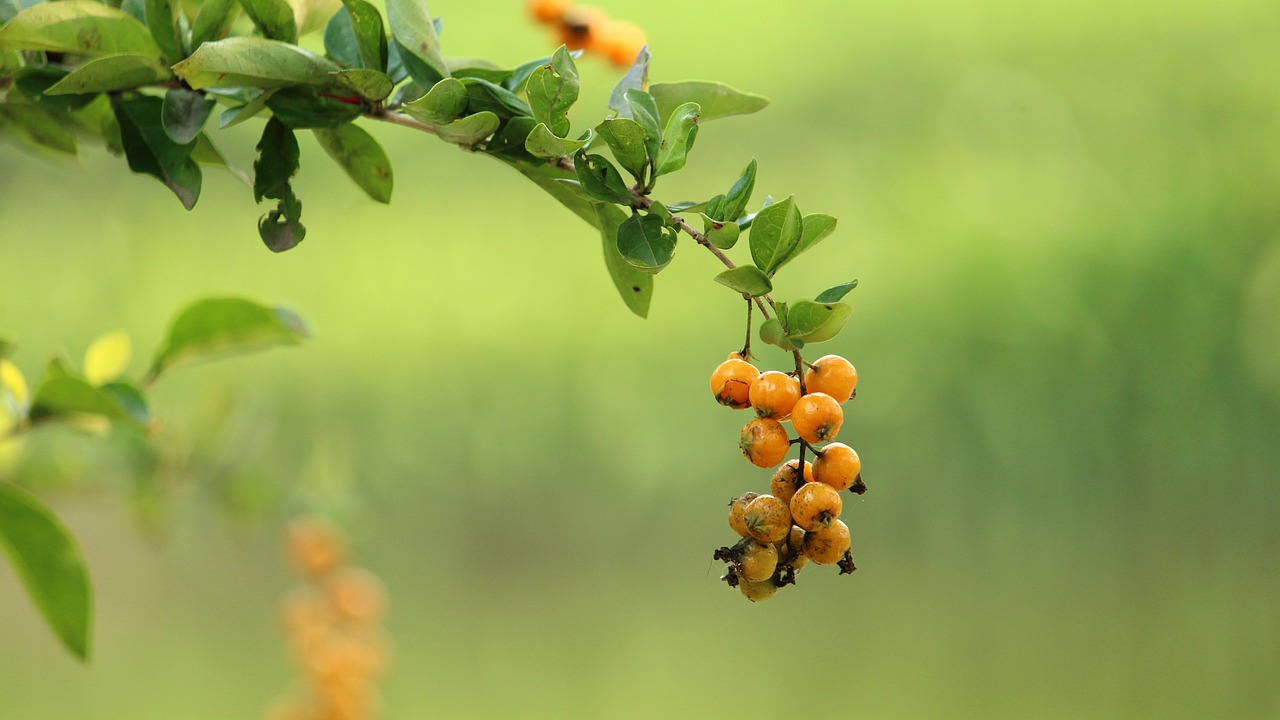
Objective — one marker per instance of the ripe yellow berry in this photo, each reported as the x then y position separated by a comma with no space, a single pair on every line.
757,591
786,480
764,442
837,466
768,519
731,383
833,375
773,394
789,549
738,513
827,545
815,506
758,562
817,417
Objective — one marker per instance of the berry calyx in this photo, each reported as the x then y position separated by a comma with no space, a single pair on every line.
832,375
817,417
764,442
768,519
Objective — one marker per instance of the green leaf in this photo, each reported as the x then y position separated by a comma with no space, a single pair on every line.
162,20
723,235
33,81
508,144
213,21
483,95
735,202
131,399
715,99
470,130
635,286
677,139
37,127
82,27
518,80
47,559
63,397
10,8
303,108
601,179
775,234
206,153
644,110
771,332
688,206
184,114
340,44
833,294
280,229
361,156
443,103
542,143
627,141
646,242
411,26
256,104
111,72
812,322
213,328
746,279
371,85
273,18
745,222
368,33
552,90
151,151
253,62
816,227
636,78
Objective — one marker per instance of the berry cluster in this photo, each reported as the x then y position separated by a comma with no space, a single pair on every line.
334,628
590,29
799,521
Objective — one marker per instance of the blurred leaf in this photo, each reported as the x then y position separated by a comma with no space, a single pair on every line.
150,150
811,322
273,18
34,80
82,27
636,78
303,108
543,143
644,110
213,21
280,229
552,90
723,235
67,397
470,130
99,120
48,561
6,348
184,114
601,179
111,72
627,141
815,228
361,157
107,358
735,202
746,279
646,242
36,127
833,294
162,21
775,234
367,32
771,332
10,8
635,286
213,328
483,95
15,397
371,85
206,153
131,399
442,104
715,99
411,25
236,115
677,139
254,62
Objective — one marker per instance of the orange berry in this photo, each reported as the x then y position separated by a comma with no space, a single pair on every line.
773,394
789,549
758,562
620,41
579,27
731,383
764,442
817,417
832,375
357,595
815,506
837,466
315,547
768,519
548,11
738,513
786,480
827,545
757,591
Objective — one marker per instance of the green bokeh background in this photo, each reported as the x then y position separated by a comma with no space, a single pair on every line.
1064,217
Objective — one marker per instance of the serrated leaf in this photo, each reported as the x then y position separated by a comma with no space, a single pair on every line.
775,233
107,358
772,333
273,18
723,235
212,328
411,26
833,294
542,143
443,103
601,179
815,228
470,130
716,99
635,286
162,21
47,560
253,62
746,279
111,72
812,322
553,89
646,242
151,151
213,21
184,114
636,78
371,85
677,139
361,157
735,201
82,27
626,139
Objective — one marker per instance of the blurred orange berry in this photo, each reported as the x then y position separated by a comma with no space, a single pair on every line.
580,26
548,11
357,595
620,42
315,547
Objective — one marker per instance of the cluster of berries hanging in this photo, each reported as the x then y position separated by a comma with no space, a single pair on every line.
590,29
334,625
799,521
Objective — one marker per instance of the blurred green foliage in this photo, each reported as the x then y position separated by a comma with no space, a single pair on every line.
1064,219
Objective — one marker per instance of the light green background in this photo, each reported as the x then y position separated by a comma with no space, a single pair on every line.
1064,217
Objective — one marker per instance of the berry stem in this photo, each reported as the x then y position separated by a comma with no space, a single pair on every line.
746,346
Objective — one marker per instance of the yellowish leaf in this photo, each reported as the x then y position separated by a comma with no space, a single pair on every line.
107,358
